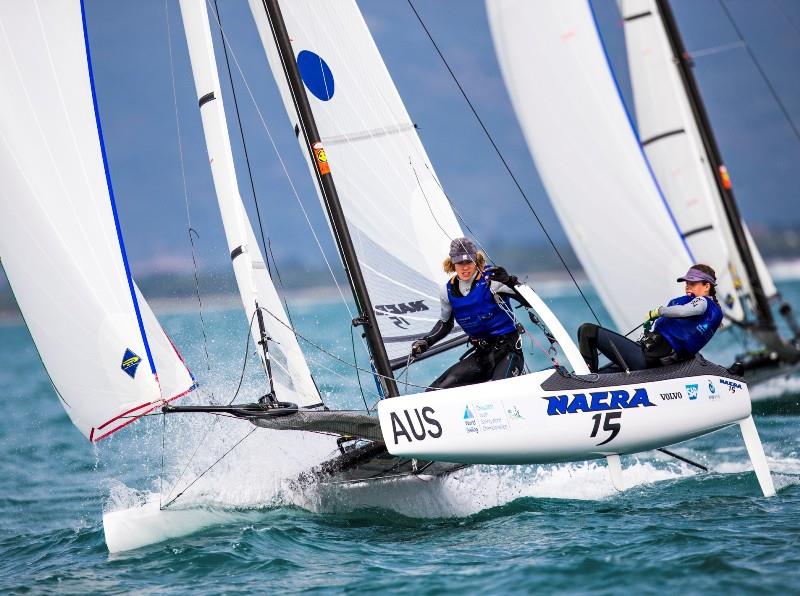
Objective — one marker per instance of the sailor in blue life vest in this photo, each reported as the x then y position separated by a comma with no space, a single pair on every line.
679,330
477,298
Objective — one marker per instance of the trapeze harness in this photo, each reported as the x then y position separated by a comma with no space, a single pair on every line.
688,335
478,313
673,338
496,351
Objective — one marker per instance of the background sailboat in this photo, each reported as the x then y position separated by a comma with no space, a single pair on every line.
677,136
626,228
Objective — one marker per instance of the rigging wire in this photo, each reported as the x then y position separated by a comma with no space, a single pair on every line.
760,70
214,421
244,143
358,374
285,169
503,160
265,240
163,449
427,202
786,17
191,233
456,211
219,459
190,229
210,426
334,356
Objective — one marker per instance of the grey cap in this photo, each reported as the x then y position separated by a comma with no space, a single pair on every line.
697,275
463,249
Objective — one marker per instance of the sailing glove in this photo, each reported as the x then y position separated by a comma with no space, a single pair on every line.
653,314
499,274
419,346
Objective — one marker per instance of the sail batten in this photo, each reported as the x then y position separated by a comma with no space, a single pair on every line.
681,161
398,217
291,377
587,153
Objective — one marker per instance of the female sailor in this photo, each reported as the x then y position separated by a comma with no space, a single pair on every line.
477,298
681,328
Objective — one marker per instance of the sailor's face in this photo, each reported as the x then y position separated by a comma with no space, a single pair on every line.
465,270
698,288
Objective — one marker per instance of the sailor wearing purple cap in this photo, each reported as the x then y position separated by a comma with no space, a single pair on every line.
679,330
477,298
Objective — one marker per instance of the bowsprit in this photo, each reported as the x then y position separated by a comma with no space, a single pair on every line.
597,401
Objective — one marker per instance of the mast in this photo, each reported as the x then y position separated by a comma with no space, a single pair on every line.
761,307
333,207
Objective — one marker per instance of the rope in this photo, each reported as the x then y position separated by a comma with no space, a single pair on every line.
163,449
358,374
504,162
283,167
221,457
241,135
552,352
458,214
634,329
210,426
190,229
760,70
334,356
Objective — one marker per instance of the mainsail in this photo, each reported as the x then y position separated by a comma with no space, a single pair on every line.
671,139
587,154
60,239
398,216
291,377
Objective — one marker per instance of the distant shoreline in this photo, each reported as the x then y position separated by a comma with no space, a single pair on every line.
545,282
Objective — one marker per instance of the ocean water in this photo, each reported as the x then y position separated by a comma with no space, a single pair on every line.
248,525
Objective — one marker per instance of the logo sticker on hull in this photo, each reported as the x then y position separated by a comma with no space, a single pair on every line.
731,385
692,391
484,418
596,401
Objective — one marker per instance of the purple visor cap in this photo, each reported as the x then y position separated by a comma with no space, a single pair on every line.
697,275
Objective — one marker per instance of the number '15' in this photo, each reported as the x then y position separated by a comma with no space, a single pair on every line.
608,425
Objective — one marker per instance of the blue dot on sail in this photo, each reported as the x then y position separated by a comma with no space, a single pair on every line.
316,74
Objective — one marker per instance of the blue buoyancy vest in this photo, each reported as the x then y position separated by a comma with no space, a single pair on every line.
688,335
478,313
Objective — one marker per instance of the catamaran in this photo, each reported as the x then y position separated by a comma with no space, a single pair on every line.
664,187
110,362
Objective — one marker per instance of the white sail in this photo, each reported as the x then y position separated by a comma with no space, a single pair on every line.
587,154
674,147
60,241
398,216
290,374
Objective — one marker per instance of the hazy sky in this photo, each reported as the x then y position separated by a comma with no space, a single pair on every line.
131,56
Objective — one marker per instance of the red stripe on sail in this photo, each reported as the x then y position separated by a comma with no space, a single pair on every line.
153,406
